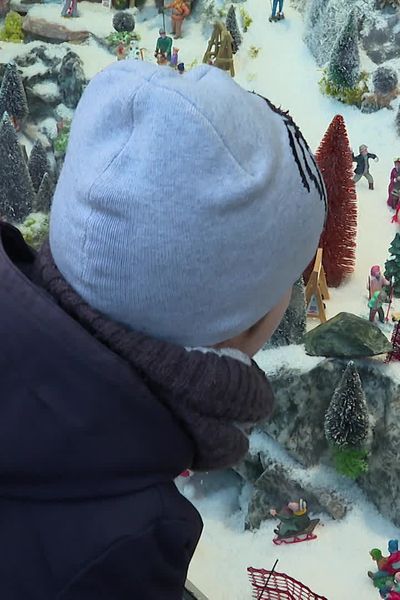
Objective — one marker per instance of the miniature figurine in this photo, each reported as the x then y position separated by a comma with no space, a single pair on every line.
121,51
394,185
181,68
376,281
163,48
393,546
180,11
174,58
375,306
362,168
134,51
394,593
70,8
280,15
295,524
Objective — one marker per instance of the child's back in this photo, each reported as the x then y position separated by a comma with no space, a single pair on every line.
104,401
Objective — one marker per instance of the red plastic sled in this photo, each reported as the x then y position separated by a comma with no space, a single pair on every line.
307,535
280,586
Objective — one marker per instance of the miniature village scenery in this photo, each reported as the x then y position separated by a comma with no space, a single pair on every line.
313,511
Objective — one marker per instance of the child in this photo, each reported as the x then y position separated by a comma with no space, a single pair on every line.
127,343
362,169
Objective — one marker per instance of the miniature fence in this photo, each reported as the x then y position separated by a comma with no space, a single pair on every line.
279,587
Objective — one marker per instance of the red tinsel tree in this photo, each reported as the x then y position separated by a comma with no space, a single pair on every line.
338,239
395,353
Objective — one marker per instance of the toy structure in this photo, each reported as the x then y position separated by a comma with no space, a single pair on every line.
317,290
163,48
394,185
277,5
70,8
271,585
295,524
180,11
219,49
394,355
362,169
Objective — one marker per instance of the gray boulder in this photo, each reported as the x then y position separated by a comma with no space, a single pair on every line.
346,336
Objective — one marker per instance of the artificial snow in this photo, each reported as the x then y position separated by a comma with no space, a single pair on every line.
283,70
294,357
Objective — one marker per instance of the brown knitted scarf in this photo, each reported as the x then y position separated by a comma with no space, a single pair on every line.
210,395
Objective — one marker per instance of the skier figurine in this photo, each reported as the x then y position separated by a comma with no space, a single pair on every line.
180,11
362,168
394,185
274,15
295,524
163,48
70,8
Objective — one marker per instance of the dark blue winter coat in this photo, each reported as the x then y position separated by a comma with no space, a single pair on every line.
88,509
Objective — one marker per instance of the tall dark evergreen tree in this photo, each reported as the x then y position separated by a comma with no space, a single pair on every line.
293,325
233,28
344,63
38,164
16,190
392,265
346,420
12,96
44,195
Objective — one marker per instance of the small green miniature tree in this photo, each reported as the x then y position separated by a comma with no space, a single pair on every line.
16,191
12,95
347,424
233,28
12,30
344,64
38,164
44,195
392,265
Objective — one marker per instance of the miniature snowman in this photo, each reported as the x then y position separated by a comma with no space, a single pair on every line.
134,51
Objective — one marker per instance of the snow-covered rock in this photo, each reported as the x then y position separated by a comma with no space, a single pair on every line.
43,29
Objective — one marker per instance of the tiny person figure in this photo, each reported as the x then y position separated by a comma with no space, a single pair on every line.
376,281
181,68
394,185
121,51
180,11
163,47
174,58
362,168
293,518
274,15
69,8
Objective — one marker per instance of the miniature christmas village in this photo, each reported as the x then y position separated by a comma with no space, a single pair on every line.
326,465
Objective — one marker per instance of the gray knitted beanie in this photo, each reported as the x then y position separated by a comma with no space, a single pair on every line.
186,206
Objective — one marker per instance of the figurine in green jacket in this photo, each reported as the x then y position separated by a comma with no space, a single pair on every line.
163,47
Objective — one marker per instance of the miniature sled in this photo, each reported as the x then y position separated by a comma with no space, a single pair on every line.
269,585
305,536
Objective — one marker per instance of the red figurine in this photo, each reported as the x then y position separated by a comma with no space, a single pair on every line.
121,52
394,185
